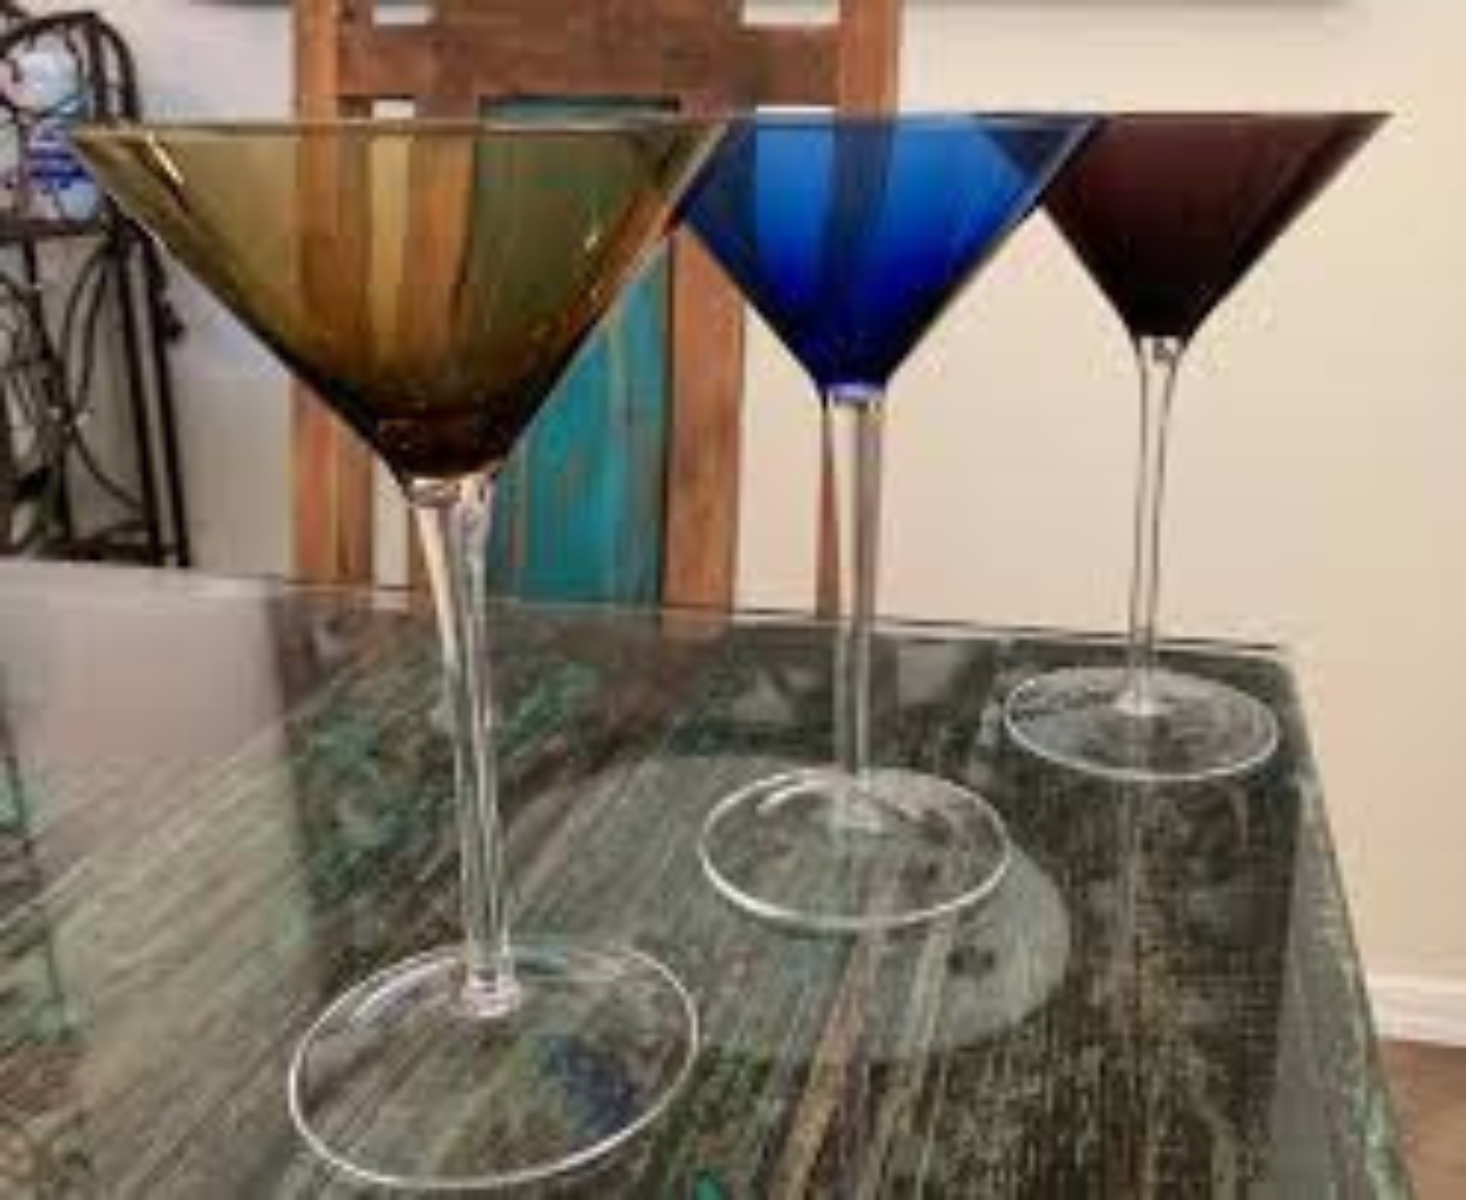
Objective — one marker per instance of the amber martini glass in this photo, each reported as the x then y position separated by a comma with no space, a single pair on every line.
431,281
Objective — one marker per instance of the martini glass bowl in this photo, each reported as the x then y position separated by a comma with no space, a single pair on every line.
850,235
431,281
1168,212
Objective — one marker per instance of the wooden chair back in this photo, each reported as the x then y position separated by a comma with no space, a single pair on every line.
699,55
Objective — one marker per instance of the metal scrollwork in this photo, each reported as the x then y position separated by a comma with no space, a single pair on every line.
84,315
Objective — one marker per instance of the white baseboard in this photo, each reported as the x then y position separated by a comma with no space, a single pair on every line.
1415,1008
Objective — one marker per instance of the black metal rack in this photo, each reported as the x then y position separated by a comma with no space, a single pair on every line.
80,329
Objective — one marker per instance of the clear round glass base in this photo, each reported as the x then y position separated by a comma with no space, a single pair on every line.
1192,730
404,1083
824,851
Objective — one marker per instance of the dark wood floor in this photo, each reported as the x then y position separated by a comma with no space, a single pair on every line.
1429,1085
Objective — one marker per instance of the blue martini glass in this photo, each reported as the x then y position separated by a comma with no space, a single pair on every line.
850,235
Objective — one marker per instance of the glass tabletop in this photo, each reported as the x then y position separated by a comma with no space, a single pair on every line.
221,803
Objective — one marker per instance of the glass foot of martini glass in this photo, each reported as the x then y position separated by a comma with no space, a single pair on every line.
826,850
431,281
1183,728
850,235
591,1049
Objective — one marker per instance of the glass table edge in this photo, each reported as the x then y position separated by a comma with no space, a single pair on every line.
141,583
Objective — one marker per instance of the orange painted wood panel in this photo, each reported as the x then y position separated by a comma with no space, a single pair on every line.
331,472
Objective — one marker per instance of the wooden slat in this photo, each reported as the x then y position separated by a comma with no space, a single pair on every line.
868,57
543,20
774,65
442,185
787,66
437,233
705,446
332,473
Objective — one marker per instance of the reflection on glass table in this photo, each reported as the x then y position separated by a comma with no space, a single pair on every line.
43,1134
1164,1001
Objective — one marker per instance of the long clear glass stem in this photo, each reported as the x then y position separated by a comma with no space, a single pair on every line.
827,568
856,421
1159,362
451,516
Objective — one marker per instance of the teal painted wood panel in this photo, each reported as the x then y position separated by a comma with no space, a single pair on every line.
581,506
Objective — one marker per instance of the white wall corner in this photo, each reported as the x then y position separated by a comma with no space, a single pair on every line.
1419,1008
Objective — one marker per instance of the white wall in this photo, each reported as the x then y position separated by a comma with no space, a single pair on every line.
221,60
1317,496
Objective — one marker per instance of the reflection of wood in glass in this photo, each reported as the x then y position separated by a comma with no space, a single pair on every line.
1168,211
42,1126
430,282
